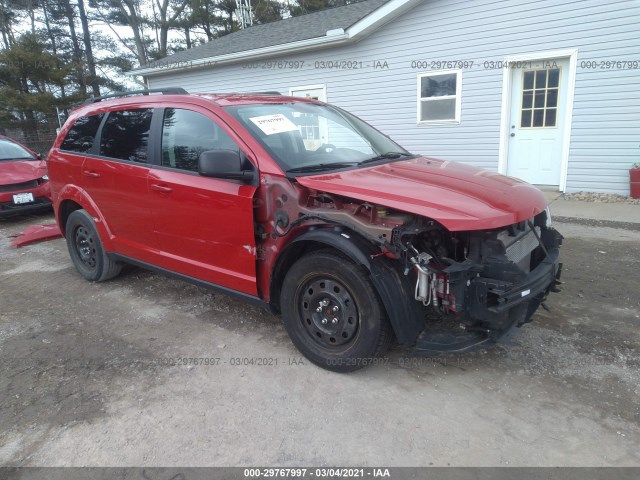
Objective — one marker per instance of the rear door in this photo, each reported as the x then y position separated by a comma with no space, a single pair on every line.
204,226
116,180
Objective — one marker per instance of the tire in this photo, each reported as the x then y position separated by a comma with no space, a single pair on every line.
332,312
86,250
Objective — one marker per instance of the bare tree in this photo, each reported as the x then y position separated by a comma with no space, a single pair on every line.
91,62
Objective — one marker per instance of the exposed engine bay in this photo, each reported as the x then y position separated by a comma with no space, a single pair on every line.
487,280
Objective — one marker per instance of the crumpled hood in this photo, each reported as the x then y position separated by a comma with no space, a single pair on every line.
20,171
458,196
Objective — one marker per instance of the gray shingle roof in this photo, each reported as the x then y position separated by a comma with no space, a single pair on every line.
289,30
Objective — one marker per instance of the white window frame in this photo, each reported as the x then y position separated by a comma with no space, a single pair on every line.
457,96
320,86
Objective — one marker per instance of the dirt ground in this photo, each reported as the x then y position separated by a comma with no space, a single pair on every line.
92,374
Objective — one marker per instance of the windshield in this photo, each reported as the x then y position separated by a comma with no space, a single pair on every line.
13,151
305,137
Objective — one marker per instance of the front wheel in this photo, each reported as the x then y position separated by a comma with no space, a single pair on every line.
332,312
86,250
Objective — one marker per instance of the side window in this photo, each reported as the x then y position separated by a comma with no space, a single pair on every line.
81,135
125,135
186,134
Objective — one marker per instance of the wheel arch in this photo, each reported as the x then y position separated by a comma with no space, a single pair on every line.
65,209
72,198
404,313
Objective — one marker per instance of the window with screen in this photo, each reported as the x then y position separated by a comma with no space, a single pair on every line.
439,96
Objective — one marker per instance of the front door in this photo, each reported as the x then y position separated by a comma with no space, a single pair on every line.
312,128
204,226
536,128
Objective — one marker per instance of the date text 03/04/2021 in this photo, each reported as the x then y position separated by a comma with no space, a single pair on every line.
324,472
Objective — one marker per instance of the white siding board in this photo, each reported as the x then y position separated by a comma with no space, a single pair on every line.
606,118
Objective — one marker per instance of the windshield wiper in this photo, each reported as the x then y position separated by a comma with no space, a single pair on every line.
386,156
321,166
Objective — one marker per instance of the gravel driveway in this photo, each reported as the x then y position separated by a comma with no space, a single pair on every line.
144,370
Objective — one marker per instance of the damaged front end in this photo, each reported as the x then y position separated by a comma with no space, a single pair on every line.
471,286
486,281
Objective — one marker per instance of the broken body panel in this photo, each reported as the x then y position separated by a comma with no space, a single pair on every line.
472,284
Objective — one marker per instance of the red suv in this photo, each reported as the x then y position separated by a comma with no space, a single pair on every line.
303,208
24,183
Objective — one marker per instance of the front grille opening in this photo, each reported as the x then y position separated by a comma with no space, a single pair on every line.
19,186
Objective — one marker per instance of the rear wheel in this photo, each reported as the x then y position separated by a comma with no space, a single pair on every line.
332,312
86,250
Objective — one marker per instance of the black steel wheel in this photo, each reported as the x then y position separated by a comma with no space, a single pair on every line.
329,311
332,312
85,248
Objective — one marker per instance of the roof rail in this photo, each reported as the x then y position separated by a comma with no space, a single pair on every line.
165,91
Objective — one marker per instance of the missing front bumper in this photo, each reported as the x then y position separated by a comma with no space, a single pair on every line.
495,298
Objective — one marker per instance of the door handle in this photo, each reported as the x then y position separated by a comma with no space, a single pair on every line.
91,174
161,188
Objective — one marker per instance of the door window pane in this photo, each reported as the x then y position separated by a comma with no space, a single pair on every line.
528,80
125,135
82,134
554,78
186,134
538,118
550,118
539,107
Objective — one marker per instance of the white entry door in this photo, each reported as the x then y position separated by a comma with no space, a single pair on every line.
313,129
537,117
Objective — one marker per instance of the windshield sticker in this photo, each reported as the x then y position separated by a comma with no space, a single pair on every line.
270,124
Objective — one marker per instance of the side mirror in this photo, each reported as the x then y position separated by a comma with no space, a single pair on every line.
224,163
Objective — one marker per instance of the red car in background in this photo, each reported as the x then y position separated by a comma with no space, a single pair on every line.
24,183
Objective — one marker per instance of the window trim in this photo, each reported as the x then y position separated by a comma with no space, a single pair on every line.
458,97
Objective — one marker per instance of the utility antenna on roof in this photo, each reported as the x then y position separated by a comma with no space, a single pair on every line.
244,13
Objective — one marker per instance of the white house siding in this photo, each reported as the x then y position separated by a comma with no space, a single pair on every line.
605,135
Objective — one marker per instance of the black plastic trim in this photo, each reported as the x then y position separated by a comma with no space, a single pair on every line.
195,281
165,91
536,282
40,203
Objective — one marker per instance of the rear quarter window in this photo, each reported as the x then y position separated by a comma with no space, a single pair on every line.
81,135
